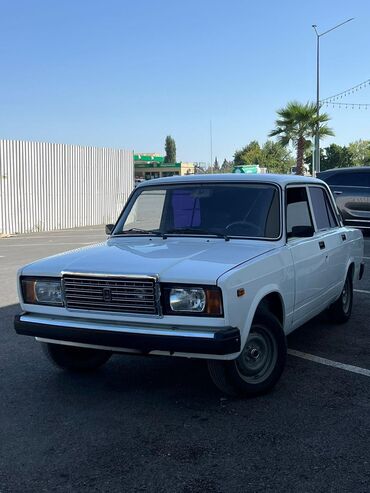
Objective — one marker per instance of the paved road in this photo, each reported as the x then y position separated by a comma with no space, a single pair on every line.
158,424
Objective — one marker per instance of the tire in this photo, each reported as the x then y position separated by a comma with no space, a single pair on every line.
341,310
261,363
74,358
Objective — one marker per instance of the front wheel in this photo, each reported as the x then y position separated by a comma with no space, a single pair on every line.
259,365
74,358
341,310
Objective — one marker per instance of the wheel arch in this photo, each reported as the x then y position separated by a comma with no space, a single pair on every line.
273,302
272,298
351,268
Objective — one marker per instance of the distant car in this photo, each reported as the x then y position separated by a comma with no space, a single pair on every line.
218,267
351,189
138,181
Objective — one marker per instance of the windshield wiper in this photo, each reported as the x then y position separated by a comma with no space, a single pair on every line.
143,231
197,231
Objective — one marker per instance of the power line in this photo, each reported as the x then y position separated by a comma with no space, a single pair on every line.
345,93
353,106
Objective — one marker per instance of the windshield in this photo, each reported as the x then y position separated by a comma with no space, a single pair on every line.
229,210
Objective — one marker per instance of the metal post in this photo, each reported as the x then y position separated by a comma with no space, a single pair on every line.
317,139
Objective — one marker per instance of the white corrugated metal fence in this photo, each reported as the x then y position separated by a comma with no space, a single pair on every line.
45,186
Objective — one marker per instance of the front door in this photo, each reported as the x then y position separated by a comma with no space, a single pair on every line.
309,257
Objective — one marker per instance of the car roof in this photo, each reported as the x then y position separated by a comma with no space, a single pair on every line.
281,180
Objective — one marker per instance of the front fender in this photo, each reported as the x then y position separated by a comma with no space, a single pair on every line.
262,293
274,273
270,273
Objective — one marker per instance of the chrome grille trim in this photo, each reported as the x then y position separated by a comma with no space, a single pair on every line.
105,292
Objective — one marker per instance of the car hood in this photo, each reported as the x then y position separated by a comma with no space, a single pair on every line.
185,260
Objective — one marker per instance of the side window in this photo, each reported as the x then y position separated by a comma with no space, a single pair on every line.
332,216
299,222
322,209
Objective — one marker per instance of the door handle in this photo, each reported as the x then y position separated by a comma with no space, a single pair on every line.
337,192
344,237
322,245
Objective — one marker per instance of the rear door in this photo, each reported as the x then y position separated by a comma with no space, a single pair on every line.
332,239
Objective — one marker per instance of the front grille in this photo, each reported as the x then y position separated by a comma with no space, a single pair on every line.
112,294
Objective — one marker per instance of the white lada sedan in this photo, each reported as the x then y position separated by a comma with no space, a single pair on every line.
217,267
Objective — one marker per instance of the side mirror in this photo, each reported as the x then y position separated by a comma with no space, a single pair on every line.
108,229
302,231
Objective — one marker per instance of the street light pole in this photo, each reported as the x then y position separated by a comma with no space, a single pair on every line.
317,135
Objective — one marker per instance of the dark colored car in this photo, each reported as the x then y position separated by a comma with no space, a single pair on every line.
351,189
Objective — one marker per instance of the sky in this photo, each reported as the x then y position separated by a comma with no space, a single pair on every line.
127,73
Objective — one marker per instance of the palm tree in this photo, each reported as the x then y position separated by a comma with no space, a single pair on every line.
297,123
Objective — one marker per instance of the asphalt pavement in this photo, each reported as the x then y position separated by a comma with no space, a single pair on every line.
159,425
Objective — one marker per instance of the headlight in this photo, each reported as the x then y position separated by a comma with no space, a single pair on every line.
192,300
42,291
187,300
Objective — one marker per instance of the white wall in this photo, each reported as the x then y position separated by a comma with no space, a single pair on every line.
45,187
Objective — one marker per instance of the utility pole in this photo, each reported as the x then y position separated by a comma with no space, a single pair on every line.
316,167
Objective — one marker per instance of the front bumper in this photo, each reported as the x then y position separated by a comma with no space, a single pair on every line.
144,337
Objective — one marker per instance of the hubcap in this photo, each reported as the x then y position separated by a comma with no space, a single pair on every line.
254,353
259,356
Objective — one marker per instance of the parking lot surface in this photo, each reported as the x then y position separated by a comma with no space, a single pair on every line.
159,425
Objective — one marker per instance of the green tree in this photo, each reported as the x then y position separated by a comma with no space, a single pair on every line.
336,156
333,156
250,154
360,152
272,155
276,158
170,149
296,124
226,166
216,166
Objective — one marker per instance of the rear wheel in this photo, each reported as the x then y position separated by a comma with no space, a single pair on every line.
74,358
341,310
259,365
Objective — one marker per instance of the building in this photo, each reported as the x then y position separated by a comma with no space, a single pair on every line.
148,166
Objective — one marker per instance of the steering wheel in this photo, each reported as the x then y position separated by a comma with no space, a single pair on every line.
252,229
